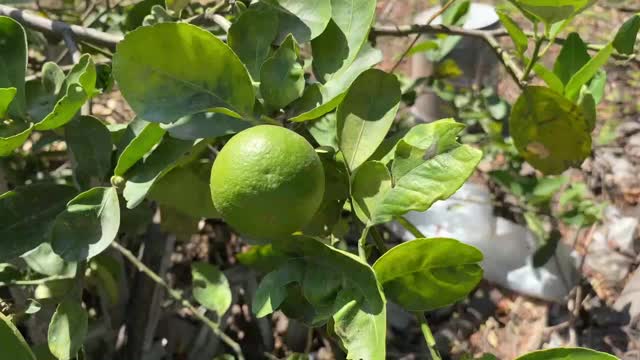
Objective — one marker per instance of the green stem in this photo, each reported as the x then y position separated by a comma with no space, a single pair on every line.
379,241
410,227
362,242
428,336
177,296
534,59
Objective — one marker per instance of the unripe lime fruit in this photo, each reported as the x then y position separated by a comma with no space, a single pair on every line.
267,182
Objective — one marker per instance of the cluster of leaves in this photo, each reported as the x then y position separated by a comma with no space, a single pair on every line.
190,90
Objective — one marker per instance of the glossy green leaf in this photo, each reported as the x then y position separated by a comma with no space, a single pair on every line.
6,97
182,189
11,341
89,141
79,87
171,70
304,19
343,38
43,93
68,329
369,185
518,36
549,131
325,131
551,11
141,178
426,274
282,76
251,36
211,288
207,125
362,333
329,279
587,72
15,138
597,86
573,56
567,354
336,193
140,138
42,352
587,103
13,62
366,115
422,47
328,96
88,226
263,258
137,13
549,77
27,216
429,165
45,261
625,39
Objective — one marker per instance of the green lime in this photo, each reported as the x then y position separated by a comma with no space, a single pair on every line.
267,182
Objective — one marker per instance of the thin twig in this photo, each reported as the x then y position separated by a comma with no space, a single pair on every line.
417,36
177,296
507,61
58,28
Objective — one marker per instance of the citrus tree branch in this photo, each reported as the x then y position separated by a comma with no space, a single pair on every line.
59,28
177,296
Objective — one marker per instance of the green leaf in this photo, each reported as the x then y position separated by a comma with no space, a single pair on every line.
422,47
587,103
13,63
42,352
89,141
68,329
211,288
598,85
625,39
80,87
142,177
336,192
184,189
28,214
429,165
282,77
6,97
304,19
329,279
327,97
137,13
43,93
587,72
170,70
343,38
369,185
140,139
567,354
549,77
426,274
573,56
12,142
549,131
552,11
262,258
366,115
45,261
251,36
11,341
177,5
518,36
88,226
207,125
362,333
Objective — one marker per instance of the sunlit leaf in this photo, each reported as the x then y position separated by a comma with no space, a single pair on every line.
210,287
11,341
68,329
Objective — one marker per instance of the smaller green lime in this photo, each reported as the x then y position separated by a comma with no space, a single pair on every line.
267,182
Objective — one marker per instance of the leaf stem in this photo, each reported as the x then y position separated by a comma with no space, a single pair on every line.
177,296
379,241
534,59
428,336
362,242
410,227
